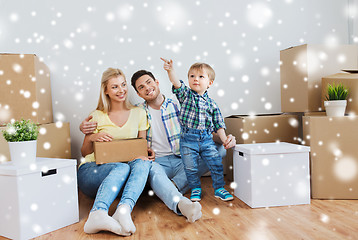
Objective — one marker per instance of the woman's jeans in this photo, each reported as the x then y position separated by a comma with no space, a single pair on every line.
105,181
195,144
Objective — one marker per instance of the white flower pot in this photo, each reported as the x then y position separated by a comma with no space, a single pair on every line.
335,108
23,153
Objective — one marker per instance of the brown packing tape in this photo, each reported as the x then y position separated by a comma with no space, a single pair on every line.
123,150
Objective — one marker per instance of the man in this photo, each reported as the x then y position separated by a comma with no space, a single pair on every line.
163,137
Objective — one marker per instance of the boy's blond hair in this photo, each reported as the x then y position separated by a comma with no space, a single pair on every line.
200,66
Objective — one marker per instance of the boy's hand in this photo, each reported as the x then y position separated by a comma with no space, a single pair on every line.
229,142
168,64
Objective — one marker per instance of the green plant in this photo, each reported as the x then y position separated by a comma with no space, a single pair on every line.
19,131
336,92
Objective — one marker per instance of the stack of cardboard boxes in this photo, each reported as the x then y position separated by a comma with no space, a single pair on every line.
25,92
305,72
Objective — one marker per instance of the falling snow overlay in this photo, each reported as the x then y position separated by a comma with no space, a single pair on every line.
241,40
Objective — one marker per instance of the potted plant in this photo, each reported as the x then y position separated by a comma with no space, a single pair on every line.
22,139
336,100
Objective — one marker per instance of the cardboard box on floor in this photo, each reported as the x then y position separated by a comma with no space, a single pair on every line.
349,80
302,69
53,142
334,156
123,150
25,90
260,129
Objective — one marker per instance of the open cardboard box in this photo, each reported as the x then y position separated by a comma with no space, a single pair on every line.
122,150
349,79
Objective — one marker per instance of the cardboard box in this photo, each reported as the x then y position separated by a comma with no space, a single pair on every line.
38,199
53,141
260,129
272,174
123,150
334,156
25,90
349,80
302,69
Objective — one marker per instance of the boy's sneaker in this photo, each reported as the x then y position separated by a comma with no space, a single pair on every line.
223,194
195,194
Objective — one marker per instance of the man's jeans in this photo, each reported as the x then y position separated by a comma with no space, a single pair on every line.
171,167
106,181
194,144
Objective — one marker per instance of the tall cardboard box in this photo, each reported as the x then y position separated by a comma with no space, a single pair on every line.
302,69
349,80
334,156
25,90
260,129
53,142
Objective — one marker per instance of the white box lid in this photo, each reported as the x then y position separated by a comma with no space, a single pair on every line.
41,165
271,148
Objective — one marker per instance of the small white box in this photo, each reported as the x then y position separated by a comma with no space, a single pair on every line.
37,199
272,174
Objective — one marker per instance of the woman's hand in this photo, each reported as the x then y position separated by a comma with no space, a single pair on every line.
151,154
88,127
101,137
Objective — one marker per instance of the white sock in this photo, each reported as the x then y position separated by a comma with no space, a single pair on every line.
123,216
99,220
191,210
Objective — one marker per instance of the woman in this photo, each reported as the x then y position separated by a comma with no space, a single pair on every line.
117,119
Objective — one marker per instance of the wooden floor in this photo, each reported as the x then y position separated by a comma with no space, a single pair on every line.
322,219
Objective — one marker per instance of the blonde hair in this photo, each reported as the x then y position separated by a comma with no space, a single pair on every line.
104,102
200,66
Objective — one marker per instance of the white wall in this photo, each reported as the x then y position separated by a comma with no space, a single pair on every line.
78,40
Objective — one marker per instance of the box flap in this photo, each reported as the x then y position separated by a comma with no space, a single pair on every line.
350,70
41,165
256,115
271,148
343,75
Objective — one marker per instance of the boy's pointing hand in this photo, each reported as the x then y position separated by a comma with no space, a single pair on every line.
168,64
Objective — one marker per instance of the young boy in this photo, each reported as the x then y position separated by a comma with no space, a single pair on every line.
199,117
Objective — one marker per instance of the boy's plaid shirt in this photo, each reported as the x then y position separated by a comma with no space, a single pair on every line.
170,118
198,112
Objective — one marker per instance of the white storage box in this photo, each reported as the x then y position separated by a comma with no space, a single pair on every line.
38,198
272,174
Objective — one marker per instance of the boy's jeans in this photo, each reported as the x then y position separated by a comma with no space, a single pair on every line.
105,182
196,143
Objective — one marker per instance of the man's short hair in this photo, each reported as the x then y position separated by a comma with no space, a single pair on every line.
139,74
